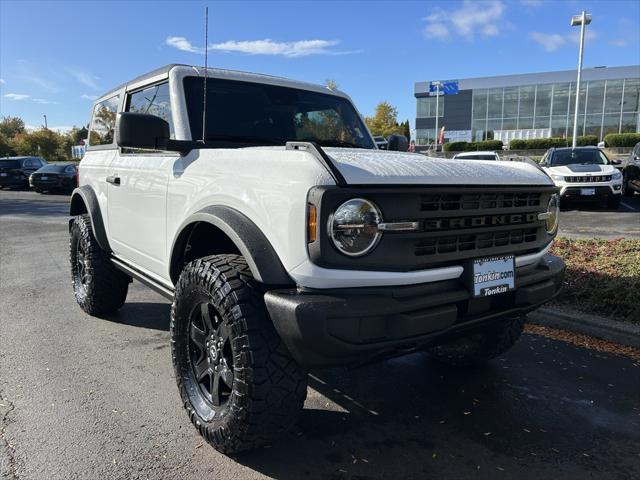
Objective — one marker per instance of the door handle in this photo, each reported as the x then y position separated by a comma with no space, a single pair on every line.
113,180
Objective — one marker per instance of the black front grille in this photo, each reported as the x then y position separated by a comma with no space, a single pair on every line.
588,179
455,224
479,201
473,241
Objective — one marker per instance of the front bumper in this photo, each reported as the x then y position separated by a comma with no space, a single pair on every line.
351,326
575,191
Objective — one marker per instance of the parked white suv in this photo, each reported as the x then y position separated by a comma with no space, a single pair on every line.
480,155
287,240
584,173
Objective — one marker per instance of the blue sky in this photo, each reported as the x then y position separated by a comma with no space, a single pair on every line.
56,56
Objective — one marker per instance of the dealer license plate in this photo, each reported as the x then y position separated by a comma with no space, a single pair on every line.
3,174
44,177
494,275
587,191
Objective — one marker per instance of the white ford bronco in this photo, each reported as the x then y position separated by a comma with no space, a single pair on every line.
286,240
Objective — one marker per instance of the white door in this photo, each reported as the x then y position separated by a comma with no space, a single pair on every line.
138,190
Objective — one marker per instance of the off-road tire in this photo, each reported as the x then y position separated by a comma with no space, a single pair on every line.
481,346
105,287
626,190
268,386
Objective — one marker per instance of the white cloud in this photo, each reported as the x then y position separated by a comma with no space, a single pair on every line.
16,96
44,83
267,46
550,41
85,78
2,80
618,43
183,44
484,18
43,101
438,31
553,41
85,96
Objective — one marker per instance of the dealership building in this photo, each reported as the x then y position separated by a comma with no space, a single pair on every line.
536,105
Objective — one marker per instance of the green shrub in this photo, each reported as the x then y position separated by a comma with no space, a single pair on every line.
621,139
472,146
488,145
456,146
587,140
545,143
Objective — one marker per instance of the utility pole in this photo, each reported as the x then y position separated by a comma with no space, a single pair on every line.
45,122
583,20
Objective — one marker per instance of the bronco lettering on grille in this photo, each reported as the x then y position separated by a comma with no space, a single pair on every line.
483,221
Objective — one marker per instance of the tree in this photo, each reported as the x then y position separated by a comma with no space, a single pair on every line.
11,126
331,84
406,129
385,120
6,147
43,143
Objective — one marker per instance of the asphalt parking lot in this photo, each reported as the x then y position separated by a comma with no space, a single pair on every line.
585,220
84,397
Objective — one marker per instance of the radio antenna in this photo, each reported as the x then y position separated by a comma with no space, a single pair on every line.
206,50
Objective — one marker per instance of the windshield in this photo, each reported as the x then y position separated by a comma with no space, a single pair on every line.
9,164
52,168
477,157
245,113
573,157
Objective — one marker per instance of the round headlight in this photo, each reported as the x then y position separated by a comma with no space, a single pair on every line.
553,211
354,227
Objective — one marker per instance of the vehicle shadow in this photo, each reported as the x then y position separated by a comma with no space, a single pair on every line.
151,315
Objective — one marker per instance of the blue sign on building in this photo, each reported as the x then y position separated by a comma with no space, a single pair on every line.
447,87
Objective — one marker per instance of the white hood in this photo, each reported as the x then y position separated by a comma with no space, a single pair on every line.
367,167
579,170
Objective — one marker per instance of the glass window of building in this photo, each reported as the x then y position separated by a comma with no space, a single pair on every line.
611,123
560,104
543,100
427,107
613,97
631,95
495,103
510,109
629,123
480,104
526,107
595,97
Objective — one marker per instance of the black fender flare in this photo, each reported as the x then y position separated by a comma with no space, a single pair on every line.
85,195
254,246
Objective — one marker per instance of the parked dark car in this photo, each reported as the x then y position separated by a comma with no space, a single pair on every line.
381,142
15,171
631,172
55,176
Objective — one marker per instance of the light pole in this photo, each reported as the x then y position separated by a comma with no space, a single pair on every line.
583,20
45,122
435,138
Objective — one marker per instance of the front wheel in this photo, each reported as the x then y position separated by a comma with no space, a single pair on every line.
481,346
238,382
98,286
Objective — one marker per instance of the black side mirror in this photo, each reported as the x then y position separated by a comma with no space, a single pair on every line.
147,132
398,143
616,161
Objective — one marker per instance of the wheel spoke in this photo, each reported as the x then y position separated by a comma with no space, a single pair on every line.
226,374
205,312
199,337
202,369
214,388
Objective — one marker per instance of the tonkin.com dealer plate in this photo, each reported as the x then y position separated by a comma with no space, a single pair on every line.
492,276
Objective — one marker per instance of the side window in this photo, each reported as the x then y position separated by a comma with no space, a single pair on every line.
103,122
153,100
31,163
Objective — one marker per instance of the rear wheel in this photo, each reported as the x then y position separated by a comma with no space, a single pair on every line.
98,286
479,347
238,382
626,190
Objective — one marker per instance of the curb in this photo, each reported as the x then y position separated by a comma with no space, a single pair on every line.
592,325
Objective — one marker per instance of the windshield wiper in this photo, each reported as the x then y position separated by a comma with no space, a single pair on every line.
246,139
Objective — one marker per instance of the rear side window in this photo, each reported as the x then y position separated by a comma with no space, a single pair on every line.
103,122
9,164
154,101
